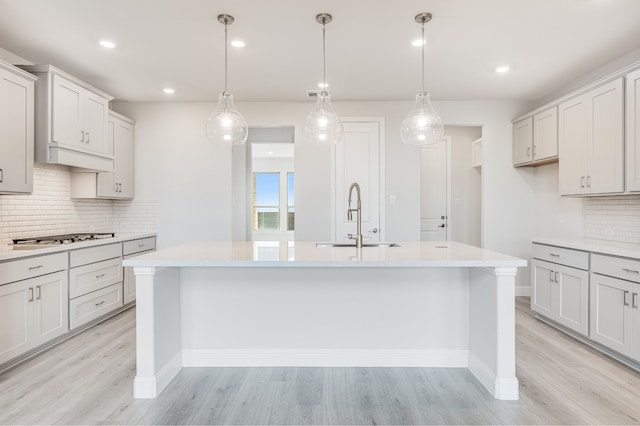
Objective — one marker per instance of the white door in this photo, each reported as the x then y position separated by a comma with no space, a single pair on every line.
358,159
610,312
543,280
434,192
573,299
51,314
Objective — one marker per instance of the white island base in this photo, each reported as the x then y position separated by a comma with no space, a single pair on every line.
418,305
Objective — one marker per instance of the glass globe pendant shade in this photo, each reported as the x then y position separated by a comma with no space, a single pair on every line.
225,125
323,126
422,125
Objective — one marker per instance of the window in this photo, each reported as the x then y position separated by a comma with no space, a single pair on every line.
266,201
290,201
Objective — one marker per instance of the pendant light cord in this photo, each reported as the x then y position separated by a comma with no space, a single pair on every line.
423,43
225,57
324,57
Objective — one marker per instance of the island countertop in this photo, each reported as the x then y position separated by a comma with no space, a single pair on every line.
306,254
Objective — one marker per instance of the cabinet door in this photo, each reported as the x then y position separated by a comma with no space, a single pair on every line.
542,279
129,286
633,131
545,134
16,317
67,103
124,159
610,312
523,141
106,184
573,299
51,308
572,138
605,153
635,307
96,111
16,133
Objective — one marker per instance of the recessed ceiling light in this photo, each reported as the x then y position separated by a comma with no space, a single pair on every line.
168,90
418,42
322,85
502,69
238,43
107,43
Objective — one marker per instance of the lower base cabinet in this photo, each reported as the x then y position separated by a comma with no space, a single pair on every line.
131,249
615,316
32,312
93,305
561,293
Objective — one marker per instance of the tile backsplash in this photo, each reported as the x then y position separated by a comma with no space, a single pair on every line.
613,218
50,210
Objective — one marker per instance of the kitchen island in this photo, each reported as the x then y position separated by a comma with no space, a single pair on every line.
421,304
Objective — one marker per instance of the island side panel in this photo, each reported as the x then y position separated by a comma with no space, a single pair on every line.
492,330
327,316
158,329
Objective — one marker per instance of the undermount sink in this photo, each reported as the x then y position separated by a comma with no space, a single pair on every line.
346,244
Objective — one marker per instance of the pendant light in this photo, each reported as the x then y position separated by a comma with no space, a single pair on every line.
225,125
422,125
323,126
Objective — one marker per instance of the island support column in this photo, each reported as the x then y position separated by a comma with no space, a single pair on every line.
492,330
158,329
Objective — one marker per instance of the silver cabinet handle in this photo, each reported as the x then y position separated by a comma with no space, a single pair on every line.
556,276
30,294
100,276
528,152
0,175
534,150
38,292
82,136
442,225
588,181
581,181
142,245
88,137
374,230
626,298
99,303
634,300
551,276
554,255
33,268
119,187
631,271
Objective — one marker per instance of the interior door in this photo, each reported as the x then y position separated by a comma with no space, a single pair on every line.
358,160
434,192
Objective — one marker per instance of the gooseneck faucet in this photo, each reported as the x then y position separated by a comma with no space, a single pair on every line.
358,210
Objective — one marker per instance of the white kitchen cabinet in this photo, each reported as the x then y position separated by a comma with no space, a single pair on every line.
16,129
632,111
110,185
591,142
523,141
611,315
560,286
130,249
32,312
535,138
70,120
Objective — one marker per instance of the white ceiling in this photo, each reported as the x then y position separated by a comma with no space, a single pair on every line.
179,43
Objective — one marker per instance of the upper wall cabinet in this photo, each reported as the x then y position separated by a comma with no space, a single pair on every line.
16,129
71,121
535,139
591,139
633,131
117,184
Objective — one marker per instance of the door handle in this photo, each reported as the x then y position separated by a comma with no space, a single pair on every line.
556,276
374,230
551,276
38,292
442,225
581,181
626,298
634,300
528,152
30,294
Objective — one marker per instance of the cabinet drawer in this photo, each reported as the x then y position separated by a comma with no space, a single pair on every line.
137,246
22,269
94,305
88,278
617,267
94,254
563,256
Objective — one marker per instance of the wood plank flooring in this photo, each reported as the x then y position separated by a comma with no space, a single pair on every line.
88,380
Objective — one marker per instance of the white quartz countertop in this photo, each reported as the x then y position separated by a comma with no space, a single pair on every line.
613,248
8,253
306,254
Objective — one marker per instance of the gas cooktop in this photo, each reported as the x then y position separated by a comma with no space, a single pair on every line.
52,240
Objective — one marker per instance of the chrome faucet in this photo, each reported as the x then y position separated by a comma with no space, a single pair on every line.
358,210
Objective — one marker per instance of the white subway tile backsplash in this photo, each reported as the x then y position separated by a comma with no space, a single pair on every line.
50,210
613,218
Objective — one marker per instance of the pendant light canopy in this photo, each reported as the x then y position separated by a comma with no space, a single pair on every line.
323,126
225,125
422,125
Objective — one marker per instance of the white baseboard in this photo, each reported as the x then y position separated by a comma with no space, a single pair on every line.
500,388
150,387
324,358
523,290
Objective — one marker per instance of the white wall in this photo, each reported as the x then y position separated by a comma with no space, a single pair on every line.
191,179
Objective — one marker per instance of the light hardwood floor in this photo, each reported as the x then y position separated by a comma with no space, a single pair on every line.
88,380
